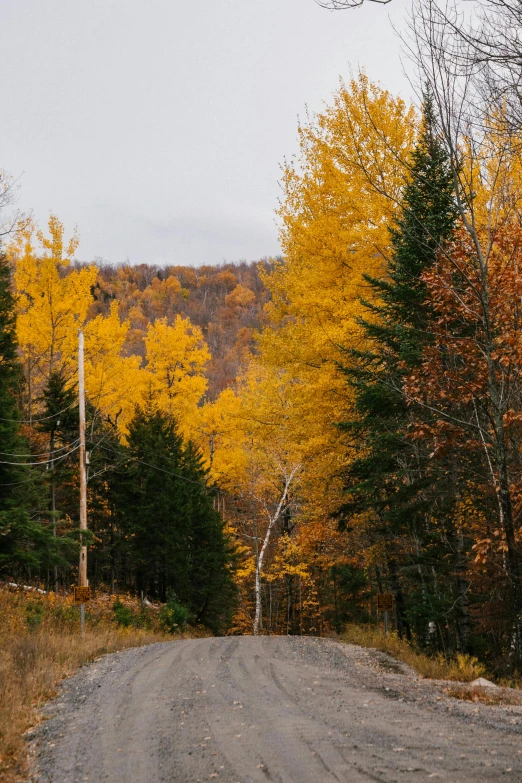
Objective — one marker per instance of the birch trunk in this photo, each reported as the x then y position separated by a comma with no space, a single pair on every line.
272,520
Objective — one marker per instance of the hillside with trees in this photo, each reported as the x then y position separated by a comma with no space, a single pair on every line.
226,302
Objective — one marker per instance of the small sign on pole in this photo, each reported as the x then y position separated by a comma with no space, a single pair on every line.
82,595
384,602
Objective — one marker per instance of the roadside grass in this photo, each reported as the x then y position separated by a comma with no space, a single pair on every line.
496,696
40,644
462,668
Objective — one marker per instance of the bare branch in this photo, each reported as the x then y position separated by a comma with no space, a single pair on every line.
339,5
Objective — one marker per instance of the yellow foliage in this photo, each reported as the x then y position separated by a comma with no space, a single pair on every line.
114,383
218,430
287,561
176,359
339,198
52,302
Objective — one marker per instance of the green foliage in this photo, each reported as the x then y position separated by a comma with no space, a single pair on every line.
129,617
64,615
174,616
172,535
393,478
34,615
397,330
347,583
25,540
123,614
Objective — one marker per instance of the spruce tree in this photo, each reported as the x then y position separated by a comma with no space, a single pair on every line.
390,477
173,537
9,379
24,542
59,420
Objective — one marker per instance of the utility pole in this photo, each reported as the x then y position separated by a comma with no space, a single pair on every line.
82,573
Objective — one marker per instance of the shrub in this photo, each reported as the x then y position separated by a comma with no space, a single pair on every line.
34,614
123,614
63,614
174,616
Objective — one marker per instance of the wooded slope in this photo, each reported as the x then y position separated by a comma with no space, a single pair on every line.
226,301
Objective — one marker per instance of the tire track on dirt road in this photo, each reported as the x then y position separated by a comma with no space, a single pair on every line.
268,710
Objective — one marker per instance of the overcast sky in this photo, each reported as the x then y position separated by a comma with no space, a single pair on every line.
158,126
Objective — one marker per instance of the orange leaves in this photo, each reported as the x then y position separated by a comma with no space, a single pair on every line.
240,296
476,329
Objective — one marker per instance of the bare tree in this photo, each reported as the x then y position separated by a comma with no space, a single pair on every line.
338,5
9,219
486,45
481,148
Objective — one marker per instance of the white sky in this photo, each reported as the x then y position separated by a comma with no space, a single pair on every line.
157,127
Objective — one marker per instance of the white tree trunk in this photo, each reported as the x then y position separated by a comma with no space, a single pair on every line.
272,519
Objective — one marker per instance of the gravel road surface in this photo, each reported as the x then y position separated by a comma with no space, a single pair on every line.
254,710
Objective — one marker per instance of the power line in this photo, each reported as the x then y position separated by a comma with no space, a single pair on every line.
155,467
44,418
41,462
43,454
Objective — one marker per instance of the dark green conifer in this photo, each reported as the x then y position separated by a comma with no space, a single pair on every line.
390,477
24,541
10,440
173,535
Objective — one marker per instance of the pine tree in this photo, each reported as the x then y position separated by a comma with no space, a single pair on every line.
390,478
172,536
9,378
59,420
24,541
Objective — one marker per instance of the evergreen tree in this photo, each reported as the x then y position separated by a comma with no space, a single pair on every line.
172,535
391,479
9,378
24,541
59,420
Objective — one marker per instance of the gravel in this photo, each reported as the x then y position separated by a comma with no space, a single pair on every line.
247,709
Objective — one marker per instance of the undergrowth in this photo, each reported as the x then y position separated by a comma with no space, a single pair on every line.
40,644
463,668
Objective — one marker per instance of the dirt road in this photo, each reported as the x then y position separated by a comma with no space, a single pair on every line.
254,710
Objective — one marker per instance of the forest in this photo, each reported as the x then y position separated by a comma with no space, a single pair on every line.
272,444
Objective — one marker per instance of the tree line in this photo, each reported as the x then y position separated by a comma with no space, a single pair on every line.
367,438
153,528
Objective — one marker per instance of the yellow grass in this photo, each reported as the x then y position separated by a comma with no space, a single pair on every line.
40,644
462,668
495,696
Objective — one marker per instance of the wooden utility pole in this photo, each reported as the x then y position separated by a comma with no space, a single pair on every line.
82,574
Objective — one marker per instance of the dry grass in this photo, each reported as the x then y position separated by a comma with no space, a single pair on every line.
40,644
495,696
463,668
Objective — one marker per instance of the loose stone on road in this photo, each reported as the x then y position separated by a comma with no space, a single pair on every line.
258,709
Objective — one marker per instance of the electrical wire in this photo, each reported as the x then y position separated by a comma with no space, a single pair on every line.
155,467
44,418
43,454
41,462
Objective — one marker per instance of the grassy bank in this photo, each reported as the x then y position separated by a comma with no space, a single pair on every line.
462,668
40,644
